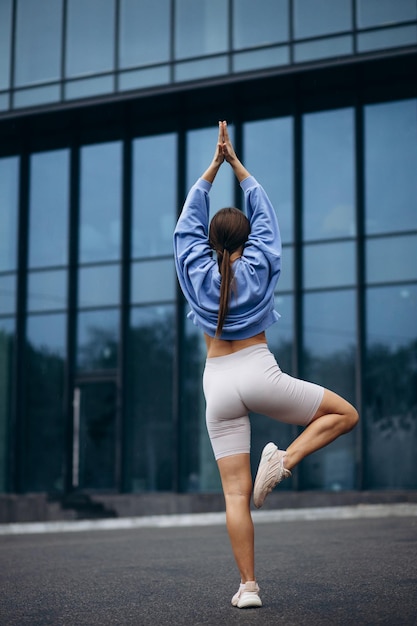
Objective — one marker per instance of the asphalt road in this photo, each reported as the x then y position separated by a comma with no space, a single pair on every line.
323,572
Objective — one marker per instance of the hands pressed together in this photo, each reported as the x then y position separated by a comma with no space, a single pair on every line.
225,152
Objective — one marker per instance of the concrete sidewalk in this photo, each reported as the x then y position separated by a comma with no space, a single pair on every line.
357,565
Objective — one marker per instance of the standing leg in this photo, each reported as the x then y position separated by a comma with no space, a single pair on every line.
236,480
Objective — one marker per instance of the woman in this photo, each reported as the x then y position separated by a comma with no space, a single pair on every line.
232,301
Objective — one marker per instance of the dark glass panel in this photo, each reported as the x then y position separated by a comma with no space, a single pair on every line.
90,37
330,360
98,340
99,286
38,41
391,388
286,279
383,12
95,434
259,23
5,41
154,204
268,155
391,166
390,259
321,17
329,265
48,208
45,427
200,27
153,281
9,210
144,32
100,202
150,438
47,290
7,328
329,179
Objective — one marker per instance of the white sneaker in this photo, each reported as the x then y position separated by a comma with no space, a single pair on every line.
247,595
271,471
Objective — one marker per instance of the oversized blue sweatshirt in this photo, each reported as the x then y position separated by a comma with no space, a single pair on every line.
256,272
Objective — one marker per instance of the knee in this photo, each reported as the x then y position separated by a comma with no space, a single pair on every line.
350,418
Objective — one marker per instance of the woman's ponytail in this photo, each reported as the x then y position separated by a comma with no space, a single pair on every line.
225,288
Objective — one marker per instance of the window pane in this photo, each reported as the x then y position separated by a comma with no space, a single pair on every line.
383,12
45,427
153,281
9,210
387,38
150,442
90,37
7,329
329,180
36,96
330,360
391,166
268,155
48,202
323,48
329,265
256,59
99,286
259,23
47,290
100,202
38,41
144,32
319,17
201,69
200,27
98,340
286,279
5,42
154,204
200,147
140,79
88,87
8,294
391,259
391,387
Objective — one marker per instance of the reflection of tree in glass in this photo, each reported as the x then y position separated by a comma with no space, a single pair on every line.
150,384
100,350
44,419
391,386
335,371
391,416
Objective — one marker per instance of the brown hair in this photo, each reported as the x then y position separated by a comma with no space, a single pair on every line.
229,231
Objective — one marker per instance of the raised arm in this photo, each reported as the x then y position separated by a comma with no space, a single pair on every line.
218,158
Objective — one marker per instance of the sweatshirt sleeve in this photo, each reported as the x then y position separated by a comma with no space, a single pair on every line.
192,252
264,243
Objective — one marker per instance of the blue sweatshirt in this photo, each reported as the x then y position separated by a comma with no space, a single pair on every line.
256,272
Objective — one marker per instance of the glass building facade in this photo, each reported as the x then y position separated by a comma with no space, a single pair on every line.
108,114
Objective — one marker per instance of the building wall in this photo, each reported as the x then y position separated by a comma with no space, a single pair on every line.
100,372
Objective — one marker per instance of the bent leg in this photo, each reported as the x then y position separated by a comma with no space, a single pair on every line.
236,480
334,417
